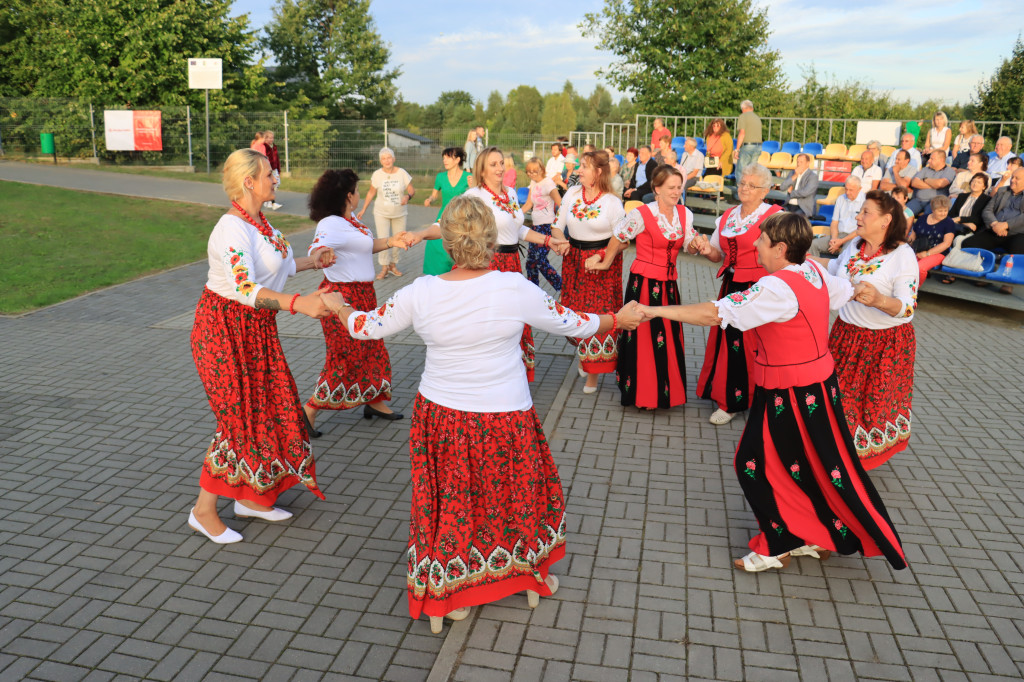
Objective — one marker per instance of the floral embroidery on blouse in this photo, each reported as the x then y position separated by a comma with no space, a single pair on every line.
364,321
564,315
743,297
855,266
909,308
632,224
811,275
582,211
243,284
735,226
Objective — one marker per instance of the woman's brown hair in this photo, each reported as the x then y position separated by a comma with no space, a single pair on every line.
598,160
896,232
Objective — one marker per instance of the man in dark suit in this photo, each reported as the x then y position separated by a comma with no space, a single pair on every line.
977,143
641,183
1004,219
802,186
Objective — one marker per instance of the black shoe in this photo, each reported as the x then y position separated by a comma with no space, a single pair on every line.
313,433
369,413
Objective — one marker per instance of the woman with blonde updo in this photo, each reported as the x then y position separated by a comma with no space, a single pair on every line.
261,447
487,503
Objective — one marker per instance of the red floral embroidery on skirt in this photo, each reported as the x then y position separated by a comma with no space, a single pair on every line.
875,368
355,372
260,448
488,515
595,292
509,262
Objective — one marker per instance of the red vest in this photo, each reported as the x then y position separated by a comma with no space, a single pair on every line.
739,251
795,353
655,254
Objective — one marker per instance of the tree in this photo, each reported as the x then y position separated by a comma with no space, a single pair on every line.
453,109
559,115
1001,97
495,110
688,57
330,51
522,111
125,52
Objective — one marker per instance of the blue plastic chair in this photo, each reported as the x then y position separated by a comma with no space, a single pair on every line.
523,194
814,148
1016,275
620,158
988,262
826,211
770,146
700,141
791,148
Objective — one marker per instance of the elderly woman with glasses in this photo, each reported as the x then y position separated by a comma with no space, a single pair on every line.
394,186
726,377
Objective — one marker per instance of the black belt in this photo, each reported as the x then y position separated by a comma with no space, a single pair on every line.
506,248
751,144
588,246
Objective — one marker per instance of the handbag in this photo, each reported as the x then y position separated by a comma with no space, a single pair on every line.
920,244
961,260
712,162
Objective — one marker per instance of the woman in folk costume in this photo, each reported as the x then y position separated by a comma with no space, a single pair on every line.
588,217
725,375
261,447
796,461
487,513
355,374
651,369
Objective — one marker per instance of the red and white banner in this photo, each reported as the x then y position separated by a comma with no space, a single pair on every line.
130,131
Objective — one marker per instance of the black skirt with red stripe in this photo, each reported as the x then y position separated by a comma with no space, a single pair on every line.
725,376
651,370
801,476
355,372
509,262
597,292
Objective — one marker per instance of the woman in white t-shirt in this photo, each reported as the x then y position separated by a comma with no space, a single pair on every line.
488,512
542,205
260,448
873,340
390,211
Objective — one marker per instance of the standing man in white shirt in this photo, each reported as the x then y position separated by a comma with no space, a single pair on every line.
691,163
844,221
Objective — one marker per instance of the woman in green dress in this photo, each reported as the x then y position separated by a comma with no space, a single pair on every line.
451,183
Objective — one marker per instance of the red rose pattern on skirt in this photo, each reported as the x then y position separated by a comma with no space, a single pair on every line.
875,368
509,262
355,372
725,376
487,515
595,292
261,448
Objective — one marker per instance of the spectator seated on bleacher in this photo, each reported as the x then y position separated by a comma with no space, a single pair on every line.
899,174
969,207
976,144
802,186
1004,221
907,145
932,236
640,184
844,221
691,163
875,147
902,196
977,163
940,137
867,172
618,185
997,162
664,146
962,142
931,181
1004,180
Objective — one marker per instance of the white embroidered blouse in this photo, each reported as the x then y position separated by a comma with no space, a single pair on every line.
633,224
471,329
243,261
589,222
353,250
735,226
893,274
510,225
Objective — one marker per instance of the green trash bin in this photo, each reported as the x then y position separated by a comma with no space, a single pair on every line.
46,141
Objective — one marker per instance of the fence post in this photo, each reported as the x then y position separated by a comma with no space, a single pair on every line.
287,162
188,123
385,132
92,128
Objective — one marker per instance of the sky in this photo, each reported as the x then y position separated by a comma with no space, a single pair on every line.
915,49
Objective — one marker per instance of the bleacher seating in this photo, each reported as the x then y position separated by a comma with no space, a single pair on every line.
833,194
620,158
523,194
633,203
854,152
791,148
988,264
834,152
781,161
765,158
770,146
825,213
814,149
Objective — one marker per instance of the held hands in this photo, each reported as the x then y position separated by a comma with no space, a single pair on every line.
700,245
594,264
403,240
630,316
559,246
333,301
835,245
324,257
313,305
865,293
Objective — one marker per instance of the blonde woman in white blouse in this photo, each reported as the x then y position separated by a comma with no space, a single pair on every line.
261,447
940,136
488,513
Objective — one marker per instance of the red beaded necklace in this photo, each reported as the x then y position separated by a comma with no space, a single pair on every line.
595,199
503,202
358,225
861,254
279,243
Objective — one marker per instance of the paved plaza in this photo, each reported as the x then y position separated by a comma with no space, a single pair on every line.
103,425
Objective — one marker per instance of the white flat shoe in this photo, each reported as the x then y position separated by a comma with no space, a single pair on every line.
226,538
274,514
533,598
819,553
590,389
721,417
583,373
437,622
755,563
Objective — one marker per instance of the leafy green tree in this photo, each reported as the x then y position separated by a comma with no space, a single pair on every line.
495,113
1001,97
688,57
408,115
453,108
331,52
522,112
559,115
128,53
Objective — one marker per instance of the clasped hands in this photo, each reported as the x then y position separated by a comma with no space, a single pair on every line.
866,293
700,245
403,240
323,257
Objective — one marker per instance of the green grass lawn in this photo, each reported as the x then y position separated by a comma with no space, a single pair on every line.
57,243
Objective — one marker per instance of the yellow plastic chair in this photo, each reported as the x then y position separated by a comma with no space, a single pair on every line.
631,204
888,151
853,154
764,158
833,194
716,180
781,161
834,152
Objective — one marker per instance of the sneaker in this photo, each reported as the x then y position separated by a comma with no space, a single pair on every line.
721,417
274,206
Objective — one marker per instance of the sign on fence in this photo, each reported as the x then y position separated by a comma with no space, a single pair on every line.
204,74
131,131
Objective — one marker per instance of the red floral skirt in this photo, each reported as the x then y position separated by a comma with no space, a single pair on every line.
803,480
488,515
261,448
509,262
594,292
876,375
651,371
725,376
355,372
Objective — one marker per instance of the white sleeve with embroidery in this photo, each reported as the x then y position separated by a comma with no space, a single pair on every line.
394,316
236,252
541,311
629,226
905,281
716,236
840,291
769,300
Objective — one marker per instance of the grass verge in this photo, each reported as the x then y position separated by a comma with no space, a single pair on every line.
56,243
